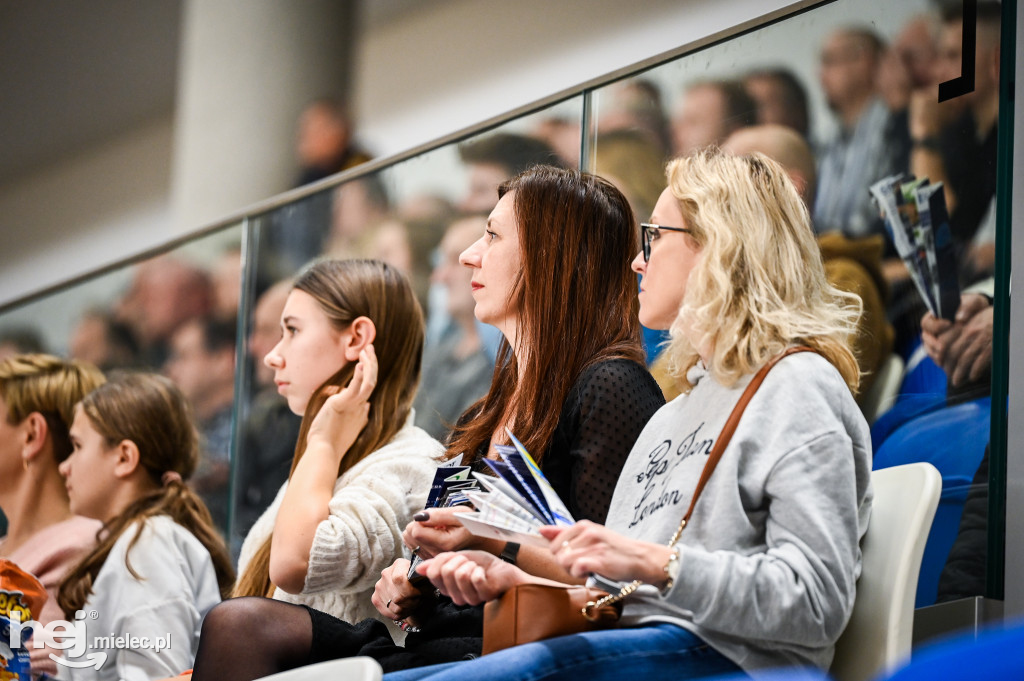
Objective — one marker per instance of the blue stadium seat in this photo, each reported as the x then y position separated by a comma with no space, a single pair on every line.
953,440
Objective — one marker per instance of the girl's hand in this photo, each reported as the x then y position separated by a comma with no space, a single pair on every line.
394,595
440,531
346,413
471,577
588,548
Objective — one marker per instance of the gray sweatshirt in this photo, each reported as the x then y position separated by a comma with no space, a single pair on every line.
770,559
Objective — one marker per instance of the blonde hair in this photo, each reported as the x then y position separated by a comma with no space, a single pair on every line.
759,285
50,386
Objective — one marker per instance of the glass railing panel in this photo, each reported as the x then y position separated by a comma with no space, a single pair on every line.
852,91
174,314
417,215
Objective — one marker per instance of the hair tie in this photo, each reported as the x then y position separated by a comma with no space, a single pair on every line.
169,477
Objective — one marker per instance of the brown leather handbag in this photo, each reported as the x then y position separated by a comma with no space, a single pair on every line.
534,612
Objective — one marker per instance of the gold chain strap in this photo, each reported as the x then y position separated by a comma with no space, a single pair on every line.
591,609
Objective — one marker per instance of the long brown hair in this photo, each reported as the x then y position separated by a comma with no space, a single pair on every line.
577,300
346,289
150,411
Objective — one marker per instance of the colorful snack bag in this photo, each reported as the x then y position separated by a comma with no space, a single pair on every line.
21,596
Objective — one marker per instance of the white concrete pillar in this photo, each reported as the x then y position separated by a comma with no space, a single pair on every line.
247,69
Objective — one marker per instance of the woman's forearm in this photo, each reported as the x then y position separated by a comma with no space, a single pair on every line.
303,508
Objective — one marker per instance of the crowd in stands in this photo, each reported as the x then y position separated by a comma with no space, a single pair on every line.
384,333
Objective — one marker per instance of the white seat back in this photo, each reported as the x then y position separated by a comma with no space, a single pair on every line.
883,391
878,635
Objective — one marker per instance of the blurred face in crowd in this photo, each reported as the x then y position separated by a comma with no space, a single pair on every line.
266,329
310,351
663,278
699,120
915,48
949,62
482,190
204,376
89,472
495,261
322,136
449,272
848,69
164,293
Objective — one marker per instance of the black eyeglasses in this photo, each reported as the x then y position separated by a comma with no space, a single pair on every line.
649,233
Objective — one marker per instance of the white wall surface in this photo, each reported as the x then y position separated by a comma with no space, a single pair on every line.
446,66
87,211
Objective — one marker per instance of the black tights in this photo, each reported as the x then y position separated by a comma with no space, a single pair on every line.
248,638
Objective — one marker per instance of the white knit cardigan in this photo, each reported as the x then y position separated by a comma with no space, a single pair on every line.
373,502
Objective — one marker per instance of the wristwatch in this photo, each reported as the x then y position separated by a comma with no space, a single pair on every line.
671,571
510,552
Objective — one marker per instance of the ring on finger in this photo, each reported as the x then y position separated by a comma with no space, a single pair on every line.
565,544
387,606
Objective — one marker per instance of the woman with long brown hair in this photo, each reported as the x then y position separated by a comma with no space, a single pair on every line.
551,271
361,469
159,564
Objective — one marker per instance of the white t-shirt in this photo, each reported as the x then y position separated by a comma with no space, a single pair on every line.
147,626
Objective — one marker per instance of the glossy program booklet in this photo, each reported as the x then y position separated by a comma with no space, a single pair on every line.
517,502
918,224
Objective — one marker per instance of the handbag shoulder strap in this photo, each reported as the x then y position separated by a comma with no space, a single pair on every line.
729,428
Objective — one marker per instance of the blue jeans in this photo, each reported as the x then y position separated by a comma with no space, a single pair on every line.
659,651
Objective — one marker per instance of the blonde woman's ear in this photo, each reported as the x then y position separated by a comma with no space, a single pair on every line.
35,430
361,332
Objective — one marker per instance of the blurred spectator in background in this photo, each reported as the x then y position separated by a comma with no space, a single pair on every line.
103,341
781,99
456,372
358,207
324,143
493,159
271,429
20,340
165,292
955,142
265,333
301,230
852,265
869,144
562,134
202,364
628,159
709,112
635,105
909,63
963,348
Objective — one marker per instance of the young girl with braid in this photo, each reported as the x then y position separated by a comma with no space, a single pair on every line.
159,565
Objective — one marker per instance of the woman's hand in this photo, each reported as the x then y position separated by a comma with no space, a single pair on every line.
472,577
346,413
394,595
588,548
437,530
